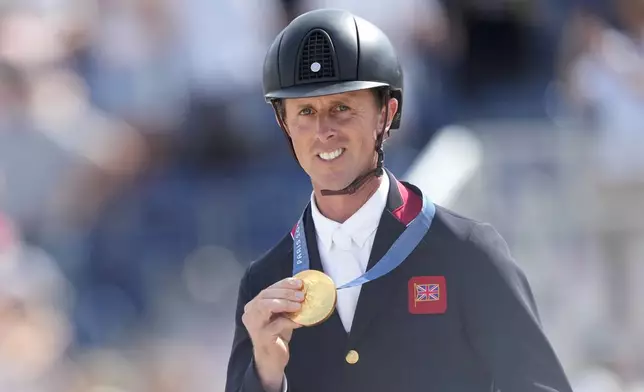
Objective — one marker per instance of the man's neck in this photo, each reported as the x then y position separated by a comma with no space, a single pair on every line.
339,208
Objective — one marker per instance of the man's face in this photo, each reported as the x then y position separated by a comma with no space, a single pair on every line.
334,136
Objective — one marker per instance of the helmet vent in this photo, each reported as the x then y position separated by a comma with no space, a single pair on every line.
317,58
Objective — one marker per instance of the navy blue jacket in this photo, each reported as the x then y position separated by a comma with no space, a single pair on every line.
485,336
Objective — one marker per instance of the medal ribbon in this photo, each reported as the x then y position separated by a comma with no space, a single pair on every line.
399,251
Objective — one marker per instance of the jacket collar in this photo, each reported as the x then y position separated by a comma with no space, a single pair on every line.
360,226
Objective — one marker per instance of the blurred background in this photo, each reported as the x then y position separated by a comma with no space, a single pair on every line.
141,172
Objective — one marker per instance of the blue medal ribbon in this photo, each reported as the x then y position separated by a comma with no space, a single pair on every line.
399,251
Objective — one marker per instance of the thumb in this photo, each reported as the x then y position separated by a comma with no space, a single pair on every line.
283,327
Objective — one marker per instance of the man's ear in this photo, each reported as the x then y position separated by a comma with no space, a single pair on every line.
391,108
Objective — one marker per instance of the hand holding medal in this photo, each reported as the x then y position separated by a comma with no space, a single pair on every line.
270,331
320,297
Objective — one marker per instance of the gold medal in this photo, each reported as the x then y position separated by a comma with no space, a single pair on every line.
319,298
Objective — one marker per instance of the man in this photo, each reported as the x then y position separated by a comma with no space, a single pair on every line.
446,311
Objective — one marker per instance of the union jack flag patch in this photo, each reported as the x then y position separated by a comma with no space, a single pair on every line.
427,295
427,292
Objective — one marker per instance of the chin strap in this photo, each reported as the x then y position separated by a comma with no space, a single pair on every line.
363,178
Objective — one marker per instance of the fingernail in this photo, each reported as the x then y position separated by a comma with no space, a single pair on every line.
296,282
299,295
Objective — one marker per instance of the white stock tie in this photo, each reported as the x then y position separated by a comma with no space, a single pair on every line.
345,251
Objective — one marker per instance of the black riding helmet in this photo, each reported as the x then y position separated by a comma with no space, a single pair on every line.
330,51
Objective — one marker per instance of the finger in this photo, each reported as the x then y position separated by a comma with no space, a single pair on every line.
282,327
260,312
287,335
287,332
288,294
263,306
269,307
292,283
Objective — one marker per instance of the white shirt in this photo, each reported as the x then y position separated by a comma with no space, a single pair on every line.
345,247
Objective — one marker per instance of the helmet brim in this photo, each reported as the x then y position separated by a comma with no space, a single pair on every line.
321,89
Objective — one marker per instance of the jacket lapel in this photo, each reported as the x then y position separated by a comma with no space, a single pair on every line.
373,294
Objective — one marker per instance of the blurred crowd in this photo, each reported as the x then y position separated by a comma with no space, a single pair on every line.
138,159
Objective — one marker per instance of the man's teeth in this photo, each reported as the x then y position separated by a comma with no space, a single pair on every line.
327,156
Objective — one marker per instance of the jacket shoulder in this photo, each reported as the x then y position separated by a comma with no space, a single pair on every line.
454,224
480,240
484,260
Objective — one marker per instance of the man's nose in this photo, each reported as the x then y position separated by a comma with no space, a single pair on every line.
325,128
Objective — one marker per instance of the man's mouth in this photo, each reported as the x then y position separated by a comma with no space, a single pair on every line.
329,156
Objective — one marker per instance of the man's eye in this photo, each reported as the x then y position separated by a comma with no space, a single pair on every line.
341,108
306,112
